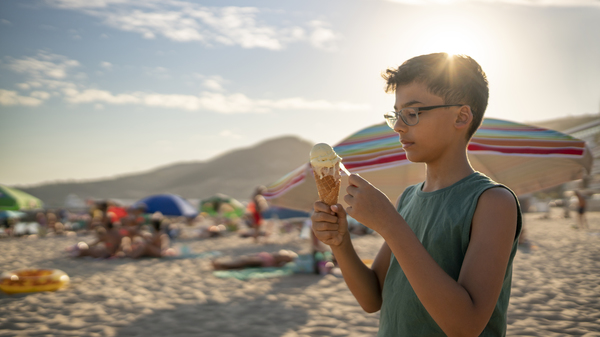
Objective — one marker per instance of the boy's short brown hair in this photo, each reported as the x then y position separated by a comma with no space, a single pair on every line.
458,79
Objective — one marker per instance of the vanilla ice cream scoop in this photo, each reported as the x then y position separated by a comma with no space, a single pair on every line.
325,161
323,156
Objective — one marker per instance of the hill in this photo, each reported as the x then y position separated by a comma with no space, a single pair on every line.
236,173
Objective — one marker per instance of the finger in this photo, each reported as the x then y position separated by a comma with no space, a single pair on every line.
321,207
339,210
350,211
356,180
352,190
349,200
327,235
324,217
325,226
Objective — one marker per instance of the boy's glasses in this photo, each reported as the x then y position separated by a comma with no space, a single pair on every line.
410,116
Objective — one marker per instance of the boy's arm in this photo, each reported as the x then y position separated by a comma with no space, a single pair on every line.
460,307
330,226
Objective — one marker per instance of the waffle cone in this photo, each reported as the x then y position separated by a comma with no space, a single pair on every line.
329,188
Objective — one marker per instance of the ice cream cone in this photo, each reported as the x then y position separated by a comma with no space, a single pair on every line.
328,187
326,168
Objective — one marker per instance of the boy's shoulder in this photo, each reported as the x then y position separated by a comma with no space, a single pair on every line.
466,191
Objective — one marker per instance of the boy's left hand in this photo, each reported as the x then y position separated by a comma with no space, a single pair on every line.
367,204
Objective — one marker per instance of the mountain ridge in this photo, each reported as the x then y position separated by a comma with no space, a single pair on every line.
235,173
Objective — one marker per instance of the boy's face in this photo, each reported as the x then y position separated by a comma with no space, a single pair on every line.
428,140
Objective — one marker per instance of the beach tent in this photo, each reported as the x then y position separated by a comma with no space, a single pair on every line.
229,207
12,199
523,157
11,214
167,204
283,213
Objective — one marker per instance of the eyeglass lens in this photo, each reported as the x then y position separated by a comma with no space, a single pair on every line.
409,116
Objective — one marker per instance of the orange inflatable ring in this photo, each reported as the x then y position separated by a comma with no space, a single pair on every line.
33,280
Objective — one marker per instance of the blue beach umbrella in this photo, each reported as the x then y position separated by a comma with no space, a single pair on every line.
167,204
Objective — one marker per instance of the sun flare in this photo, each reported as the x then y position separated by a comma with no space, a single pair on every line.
452,41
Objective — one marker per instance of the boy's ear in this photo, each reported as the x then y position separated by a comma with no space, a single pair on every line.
464,117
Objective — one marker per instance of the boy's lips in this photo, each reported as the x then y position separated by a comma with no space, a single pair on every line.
406,143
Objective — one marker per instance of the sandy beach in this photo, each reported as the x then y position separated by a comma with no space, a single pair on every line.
556,290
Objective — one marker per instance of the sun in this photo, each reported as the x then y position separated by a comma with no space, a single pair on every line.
452,41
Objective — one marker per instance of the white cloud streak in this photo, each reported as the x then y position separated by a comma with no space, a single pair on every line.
106,65
50,72
9,97
184,21
217,102
214,83
43,66
535,3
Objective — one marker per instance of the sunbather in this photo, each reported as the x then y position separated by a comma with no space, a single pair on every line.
106,245
262,259
156,244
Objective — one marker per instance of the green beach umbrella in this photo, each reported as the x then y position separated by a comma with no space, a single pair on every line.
230,207
12,199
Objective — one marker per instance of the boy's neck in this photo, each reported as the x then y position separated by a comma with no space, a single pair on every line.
447,170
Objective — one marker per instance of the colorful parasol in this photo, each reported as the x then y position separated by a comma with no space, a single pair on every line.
14,199
523,157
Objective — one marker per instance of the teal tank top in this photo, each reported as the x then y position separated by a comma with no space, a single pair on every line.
442,222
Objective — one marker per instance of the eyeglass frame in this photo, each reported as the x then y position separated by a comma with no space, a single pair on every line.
417,109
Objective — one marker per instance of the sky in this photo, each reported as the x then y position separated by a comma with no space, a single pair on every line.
93,89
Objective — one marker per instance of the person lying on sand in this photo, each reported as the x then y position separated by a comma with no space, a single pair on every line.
156,244
106,245
262,259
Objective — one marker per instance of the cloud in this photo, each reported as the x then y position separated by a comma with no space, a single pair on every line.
43,66
158,72
217,102
23,86
214,83
322,37
48,72
184,21
75,34
40,94
9,97
86,3
5,22
106,65
541,3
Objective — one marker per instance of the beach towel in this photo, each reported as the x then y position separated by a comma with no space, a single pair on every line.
210,254
255,273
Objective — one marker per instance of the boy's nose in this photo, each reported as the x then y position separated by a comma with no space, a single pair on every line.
400,126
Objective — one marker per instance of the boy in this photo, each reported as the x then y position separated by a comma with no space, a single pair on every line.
446,265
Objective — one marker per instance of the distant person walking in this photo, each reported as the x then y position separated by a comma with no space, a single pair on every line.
257,206
583,224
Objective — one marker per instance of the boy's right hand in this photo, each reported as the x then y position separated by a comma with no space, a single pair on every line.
329,223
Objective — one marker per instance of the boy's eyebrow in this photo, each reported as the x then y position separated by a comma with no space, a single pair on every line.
407,104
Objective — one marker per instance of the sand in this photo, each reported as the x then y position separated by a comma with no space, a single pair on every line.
556,290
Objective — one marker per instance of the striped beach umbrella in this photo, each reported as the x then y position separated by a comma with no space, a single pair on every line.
523,157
